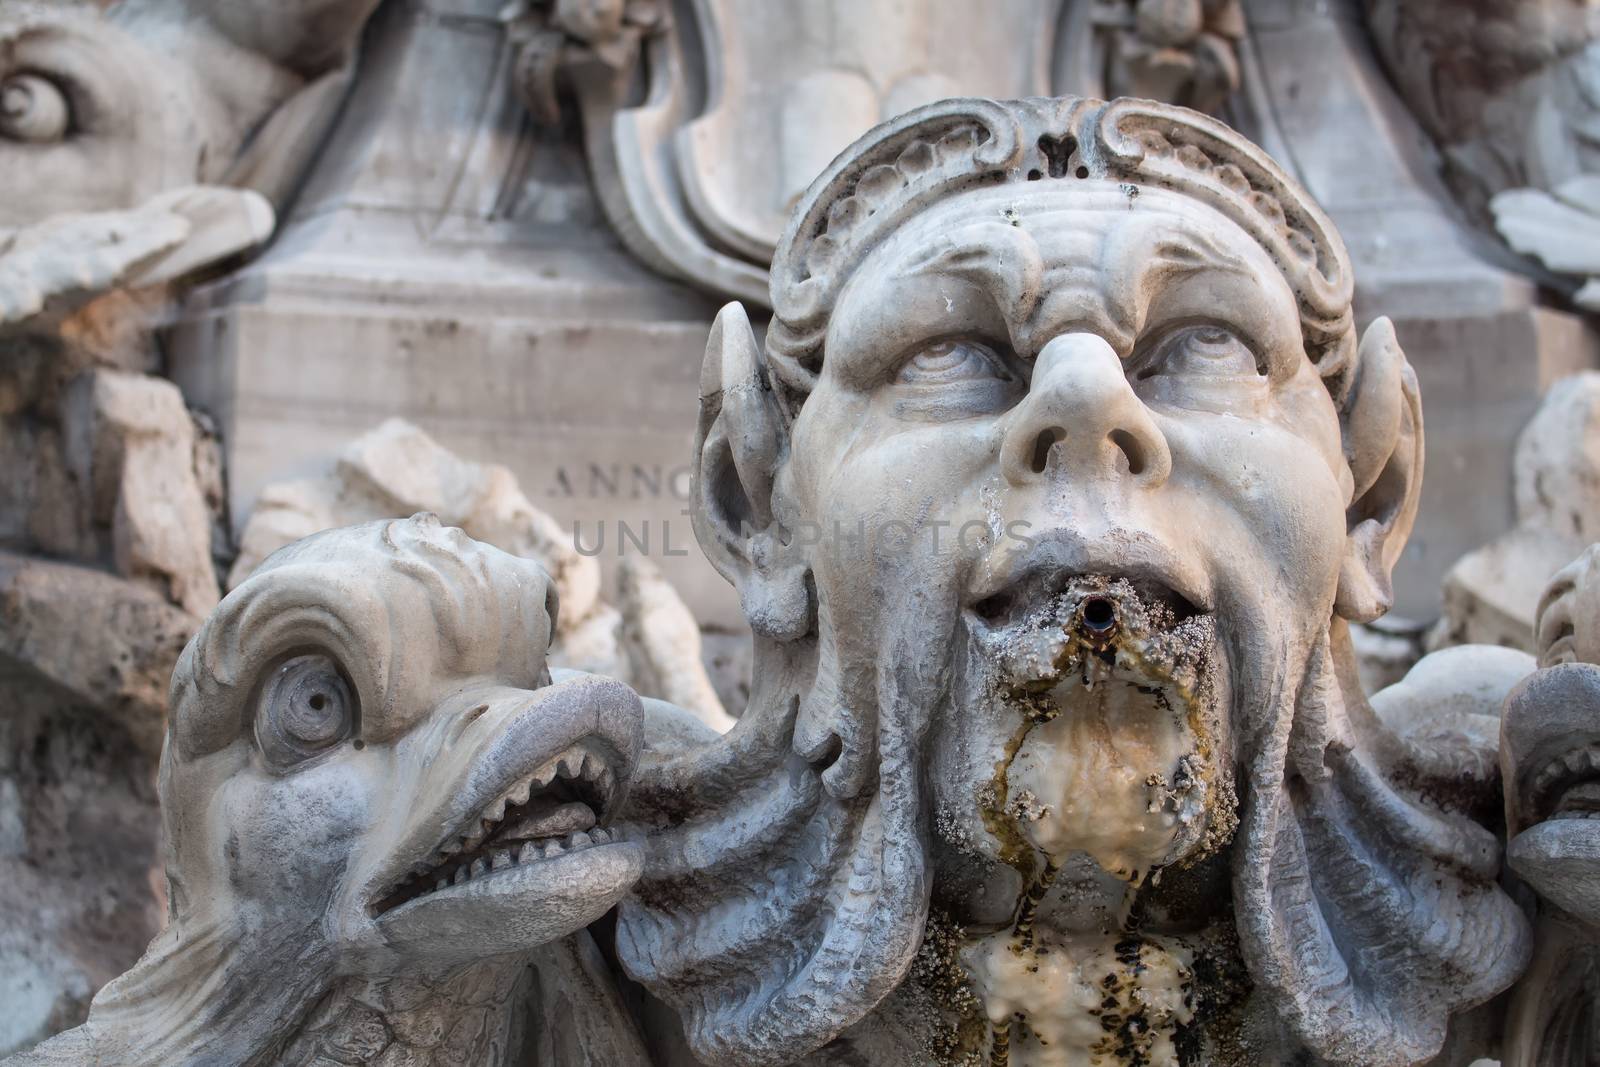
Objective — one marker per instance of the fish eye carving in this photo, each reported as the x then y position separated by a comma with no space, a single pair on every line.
33,109
306,707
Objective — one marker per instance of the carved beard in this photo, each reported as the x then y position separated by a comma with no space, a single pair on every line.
778,908
1367,915
787,886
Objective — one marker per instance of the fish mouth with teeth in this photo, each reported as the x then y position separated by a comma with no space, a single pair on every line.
1550,762
515,850
380,809
1567,786
553,813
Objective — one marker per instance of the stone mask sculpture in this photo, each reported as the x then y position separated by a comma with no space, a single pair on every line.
376,807
1049,499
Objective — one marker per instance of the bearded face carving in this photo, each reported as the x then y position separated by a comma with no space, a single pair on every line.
1049,497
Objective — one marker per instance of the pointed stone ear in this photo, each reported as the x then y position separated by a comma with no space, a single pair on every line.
740,443
1382,427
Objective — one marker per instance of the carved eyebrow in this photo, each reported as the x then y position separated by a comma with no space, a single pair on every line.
1001,258
1167,259
1195,253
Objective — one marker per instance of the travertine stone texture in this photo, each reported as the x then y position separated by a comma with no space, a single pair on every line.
143,483
1050,494
140,144
747,100
1491,595
377,808
1179,51
1507,90
1561,228
55,264
1447,707
648,639
120,665
85,659
661,643
108,468
105,467
1550,756
402,281
1509,93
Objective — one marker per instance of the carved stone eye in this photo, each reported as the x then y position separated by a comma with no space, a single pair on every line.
33,109
950,361
1203,350
306,707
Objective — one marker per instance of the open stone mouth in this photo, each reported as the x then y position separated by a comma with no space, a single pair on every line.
1044,630
1093,602
1568,786
551,813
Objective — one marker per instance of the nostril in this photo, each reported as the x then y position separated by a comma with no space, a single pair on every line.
1042,445
1132,448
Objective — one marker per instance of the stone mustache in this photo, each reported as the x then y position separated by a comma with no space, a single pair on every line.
1088,778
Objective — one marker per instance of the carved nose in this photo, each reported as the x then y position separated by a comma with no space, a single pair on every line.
1081,417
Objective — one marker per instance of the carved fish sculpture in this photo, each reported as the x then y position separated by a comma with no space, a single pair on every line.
377,806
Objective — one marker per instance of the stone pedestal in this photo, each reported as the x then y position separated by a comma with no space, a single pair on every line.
445,262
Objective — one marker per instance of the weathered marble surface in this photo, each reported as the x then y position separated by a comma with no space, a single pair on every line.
377,807
104,110
139,147
1560,227
1092,775
459,229
1510,93
450,262
446,262
1507,90
1097,777
108,511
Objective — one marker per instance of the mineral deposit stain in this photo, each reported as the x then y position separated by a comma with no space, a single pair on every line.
1083,673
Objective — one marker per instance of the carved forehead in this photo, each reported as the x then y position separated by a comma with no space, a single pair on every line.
904,168
1094,254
